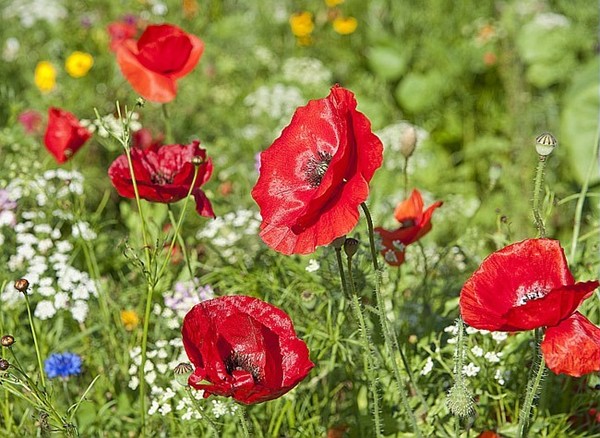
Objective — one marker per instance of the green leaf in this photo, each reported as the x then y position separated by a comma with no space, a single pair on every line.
387,62
579,120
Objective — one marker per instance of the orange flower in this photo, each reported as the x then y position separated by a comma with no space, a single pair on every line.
345,25
333,3
414,224
130,319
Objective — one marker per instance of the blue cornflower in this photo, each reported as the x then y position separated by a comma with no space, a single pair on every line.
62,365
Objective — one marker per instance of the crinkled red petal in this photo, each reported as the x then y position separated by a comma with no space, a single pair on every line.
572,347
254,330
411,208
548,311
297,214
64,134
494,288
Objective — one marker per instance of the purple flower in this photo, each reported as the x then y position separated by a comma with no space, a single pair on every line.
186,294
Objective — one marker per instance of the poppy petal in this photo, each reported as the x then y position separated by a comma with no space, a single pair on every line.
149,84
572,347
411,208
535,313
533,266
316,174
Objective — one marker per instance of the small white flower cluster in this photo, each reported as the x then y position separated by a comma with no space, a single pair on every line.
168,394
550,20
51,185
306,71
313,266
427,367
159,362
30,11
42,254
227,233
278,102
110,124
11,49
478,352
179,301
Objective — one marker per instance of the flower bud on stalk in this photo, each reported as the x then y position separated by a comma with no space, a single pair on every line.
408,141
7,340
350,247
182,372
545,144
4,365
22,285
338,243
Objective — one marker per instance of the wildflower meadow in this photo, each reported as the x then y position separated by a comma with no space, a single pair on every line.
313,218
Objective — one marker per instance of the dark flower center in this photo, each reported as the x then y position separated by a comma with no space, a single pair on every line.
534,292
316,168
161,178
241,362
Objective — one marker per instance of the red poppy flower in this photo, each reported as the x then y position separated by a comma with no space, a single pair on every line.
316,174
528,285
415,223
164,174
243,348
155,62
64,134
120,31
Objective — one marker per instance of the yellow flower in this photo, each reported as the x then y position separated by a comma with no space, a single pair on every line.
333,3
78,64
302,24
130,319
45,76
345,25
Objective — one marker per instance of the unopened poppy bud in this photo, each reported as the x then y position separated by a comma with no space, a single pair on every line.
4,364
182,372
460,400
408,141
339,242
197,160
545,144
22,285
7,340
350,246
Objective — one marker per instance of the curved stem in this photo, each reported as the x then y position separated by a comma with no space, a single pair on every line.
581,197
35,342
338,256
539,178
532,391
179,222
367,353
389,336
142,373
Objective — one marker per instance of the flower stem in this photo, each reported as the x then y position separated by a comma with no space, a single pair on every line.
243,422
142,378
539,178
391,341
35,342
367,353
338,256
535,379
179,222
405,176
168,131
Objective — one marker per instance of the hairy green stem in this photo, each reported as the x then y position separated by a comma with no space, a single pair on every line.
532,391
367,353
537,189
168,131
243,422
389,336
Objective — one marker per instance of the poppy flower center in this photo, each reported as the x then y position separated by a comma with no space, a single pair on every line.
531,293
241,362
316,168
161,178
